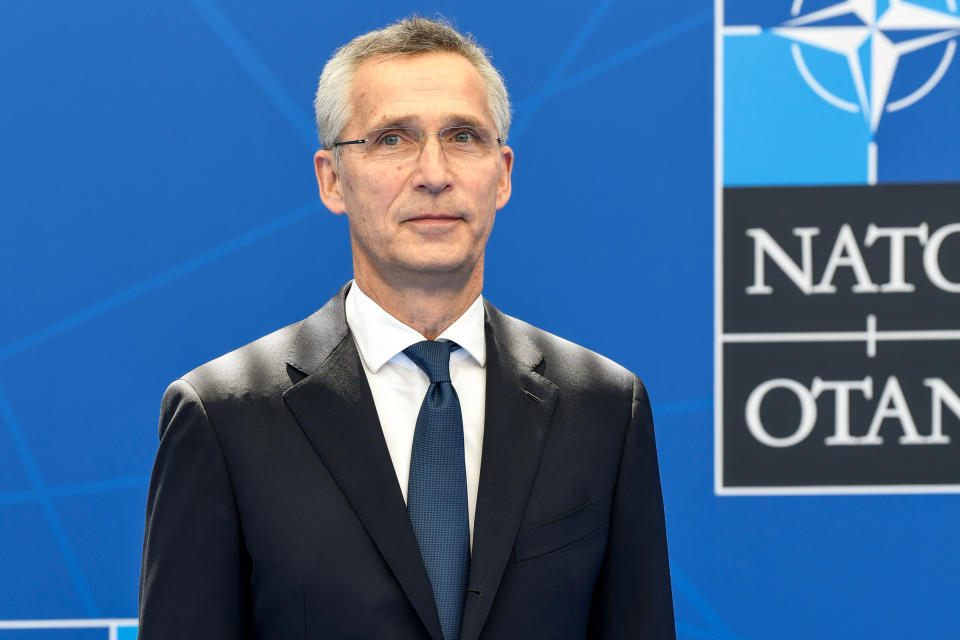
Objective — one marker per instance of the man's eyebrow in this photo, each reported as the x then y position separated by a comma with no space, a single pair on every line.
455,120
389,122
449,120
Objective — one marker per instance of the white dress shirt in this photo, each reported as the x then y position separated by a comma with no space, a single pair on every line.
399,386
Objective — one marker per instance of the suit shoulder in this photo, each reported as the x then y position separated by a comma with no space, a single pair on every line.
256,367
567,361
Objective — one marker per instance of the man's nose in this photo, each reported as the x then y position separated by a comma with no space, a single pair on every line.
433,173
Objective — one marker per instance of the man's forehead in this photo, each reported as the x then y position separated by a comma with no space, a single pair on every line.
436,85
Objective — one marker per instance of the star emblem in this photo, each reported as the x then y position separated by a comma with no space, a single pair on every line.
887,30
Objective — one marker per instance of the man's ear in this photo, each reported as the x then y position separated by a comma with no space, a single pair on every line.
503,184
329,181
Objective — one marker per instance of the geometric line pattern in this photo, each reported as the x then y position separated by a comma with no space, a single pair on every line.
158,281
250,60
701,18
53,520
78,489
532,104
117,628
301,123
716,630
558,86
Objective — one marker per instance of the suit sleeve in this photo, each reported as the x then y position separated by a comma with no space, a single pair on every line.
633,597
194,578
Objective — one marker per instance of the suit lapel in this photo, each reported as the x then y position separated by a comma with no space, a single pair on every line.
519,406
335,409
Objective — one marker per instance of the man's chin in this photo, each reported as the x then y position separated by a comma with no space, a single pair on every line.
427,265
437,267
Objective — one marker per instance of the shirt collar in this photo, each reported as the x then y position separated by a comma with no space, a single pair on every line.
380,336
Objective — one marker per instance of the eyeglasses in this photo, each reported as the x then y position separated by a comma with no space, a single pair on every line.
464,143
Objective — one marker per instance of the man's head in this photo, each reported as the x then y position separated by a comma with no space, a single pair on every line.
420,209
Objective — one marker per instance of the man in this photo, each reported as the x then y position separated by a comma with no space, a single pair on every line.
408,462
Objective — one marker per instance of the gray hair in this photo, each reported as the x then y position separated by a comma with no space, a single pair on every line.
408,36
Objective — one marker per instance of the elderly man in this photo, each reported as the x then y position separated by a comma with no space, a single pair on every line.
408,462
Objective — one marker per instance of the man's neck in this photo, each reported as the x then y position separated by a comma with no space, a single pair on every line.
426,307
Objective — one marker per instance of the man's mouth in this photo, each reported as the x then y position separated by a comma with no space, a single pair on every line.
433,217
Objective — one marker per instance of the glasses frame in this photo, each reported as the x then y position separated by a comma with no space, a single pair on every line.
423,134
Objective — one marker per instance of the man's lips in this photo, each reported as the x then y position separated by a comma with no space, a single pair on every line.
433,217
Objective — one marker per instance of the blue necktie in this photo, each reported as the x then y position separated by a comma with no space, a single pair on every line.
437,489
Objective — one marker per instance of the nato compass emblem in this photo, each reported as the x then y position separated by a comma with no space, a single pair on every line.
861,59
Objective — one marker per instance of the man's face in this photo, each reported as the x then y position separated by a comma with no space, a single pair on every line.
431,213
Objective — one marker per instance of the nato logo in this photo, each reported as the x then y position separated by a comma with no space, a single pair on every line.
816,92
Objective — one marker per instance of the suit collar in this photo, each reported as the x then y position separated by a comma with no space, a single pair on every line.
519,407
320,334
335,409
511,337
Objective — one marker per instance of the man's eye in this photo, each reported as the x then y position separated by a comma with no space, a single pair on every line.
390,140
463,136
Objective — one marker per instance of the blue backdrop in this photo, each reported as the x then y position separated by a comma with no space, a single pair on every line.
159,208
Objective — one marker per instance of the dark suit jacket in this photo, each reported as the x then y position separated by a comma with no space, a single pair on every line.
274,510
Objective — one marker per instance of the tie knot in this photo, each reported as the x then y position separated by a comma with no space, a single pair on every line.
433,356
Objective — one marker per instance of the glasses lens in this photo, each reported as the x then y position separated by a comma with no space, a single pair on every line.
400,143
395,142
468,141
